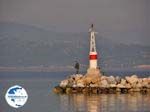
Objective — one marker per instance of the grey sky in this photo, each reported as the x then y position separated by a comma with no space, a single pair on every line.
120,20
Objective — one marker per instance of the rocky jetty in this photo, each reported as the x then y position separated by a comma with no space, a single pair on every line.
94,82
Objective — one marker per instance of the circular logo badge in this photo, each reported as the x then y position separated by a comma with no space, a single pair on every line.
16,96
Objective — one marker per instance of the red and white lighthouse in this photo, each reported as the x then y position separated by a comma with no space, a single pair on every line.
92,53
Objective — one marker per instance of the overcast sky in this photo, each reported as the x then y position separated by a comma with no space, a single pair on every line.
121,20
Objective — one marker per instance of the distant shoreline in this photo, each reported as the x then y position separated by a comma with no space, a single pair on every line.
66,69
36,69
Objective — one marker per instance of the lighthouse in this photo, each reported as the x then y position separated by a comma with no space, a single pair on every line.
92,53
93,72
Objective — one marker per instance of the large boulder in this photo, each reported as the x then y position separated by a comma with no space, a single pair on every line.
64,83
103,78
104,83
118,79
138,85
111,80
74,80
146,82
80,83
127,85
78,76
58,90
132,80
113,85
71,82
123,82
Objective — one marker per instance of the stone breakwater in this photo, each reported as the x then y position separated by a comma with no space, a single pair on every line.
99,84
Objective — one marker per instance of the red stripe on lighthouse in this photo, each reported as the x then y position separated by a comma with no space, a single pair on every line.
93,57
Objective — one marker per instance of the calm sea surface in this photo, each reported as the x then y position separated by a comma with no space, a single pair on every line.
42,99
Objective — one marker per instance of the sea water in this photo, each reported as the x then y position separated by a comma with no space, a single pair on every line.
39,86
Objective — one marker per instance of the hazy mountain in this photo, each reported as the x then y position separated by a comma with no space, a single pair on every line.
22,45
